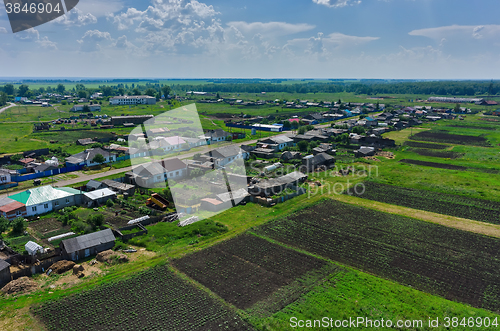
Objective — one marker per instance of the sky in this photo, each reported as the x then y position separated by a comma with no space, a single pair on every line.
387,39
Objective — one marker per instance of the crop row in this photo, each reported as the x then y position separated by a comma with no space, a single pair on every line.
433,164
419,144
246,269
441,154
442,137
441,203
154,300
458,265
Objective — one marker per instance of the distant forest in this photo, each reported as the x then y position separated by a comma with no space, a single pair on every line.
468,88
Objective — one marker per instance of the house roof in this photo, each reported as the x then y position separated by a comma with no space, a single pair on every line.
38,195
238,195
89,240
4,264
322,158
212,201
217,133
149,169
173,164
88,154
45,167
117,185
175,140
69,190
283,180
282,139
226,151
93,184
27,160
101,193
14,205
6,201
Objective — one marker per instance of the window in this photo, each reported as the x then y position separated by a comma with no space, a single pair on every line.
46,206
67,200
56,203
33,208
3,178
18,212
177,173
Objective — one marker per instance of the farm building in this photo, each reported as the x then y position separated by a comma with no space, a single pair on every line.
5,176
87,245
5,276
118,187
133,119
264,153
277,185
93,185
287,156
132,100
98,197
215,136
311,162
277,143
10,209
40,200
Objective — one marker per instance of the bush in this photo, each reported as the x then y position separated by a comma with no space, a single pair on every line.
110,203
18,225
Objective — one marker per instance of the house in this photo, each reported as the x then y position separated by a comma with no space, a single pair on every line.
312,162
98,197
86,157
41,200
174,168
11,209
215,136
225,155
45,167
277,185
315,117
301,137
93,185
90,244
364,151
5,276
91,108
277,142
5,176
146,175
172,143
132,100
26,161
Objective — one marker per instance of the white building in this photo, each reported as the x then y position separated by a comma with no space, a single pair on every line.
76,108
4,176
132,100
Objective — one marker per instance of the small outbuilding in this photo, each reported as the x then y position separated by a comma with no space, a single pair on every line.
5,276
89,244
98,197
33,248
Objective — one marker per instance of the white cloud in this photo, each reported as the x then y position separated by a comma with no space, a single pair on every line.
3,30
46,43
100,8
273,29
76,17
93,40
27,35
337,3
460,32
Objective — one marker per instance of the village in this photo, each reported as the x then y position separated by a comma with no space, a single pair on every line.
278,168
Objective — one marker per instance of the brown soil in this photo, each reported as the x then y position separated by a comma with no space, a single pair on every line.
20,285
387,155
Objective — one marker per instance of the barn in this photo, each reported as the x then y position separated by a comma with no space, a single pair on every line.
5,276
90,244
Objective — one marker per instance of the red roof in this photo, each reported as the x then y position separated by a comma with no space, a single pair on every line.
294,120
27,160
491,102
12,207
212,201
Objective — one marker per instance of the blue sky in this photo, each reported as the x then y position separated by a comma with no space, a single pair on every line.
409,39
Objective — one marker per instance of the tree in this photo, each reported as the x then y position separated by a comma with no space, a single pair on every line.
3,98
218,95
9,89
23,89
82,94
107,91
61,89
197,156
166,90
302,130
4,225
86,108
98,159
151,92
303,145
457,108
358,129
18,225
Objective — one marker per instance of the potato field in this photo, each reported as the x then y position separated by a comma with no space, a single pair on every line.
457,265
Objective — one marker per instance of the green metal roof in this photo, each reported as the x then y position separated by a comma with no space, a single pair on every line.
38,195
69,190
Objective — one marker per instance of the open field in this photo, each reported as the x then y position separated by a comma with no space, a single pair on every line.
448,204
155,299
454,264
246,269
441,137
